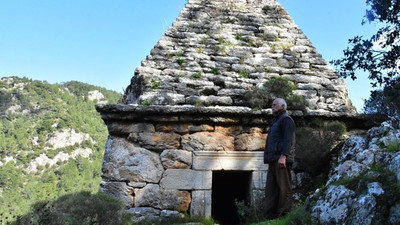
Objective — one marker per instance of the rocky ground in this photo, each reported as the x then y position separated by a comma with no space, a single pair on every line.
363,184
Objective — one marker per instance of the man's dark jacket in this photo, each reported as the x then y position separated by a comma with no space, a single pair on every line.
281,139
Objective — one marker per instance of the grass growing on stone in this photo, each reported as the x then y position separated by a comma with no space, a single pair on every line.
197,75
243,74
215,71
156,84
392,146
180,61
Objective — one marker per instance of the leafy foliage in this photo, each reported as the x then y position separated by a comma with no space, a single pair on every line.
314,144
380,54
384,102
276,87
32,113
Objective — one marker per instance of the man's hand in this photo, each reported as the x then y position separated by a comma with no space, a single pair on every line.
282,161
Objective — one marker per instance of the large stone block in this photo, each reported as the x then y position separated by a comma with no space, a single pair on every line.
229,160
200,128
140,214
154,196
229,131
201,204
125,162
207,141
123,128
118,190
185,179
177,128
156,141
250,142
176,159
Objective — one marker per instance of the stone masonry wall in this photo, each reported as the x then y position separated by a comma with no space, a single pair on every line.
218,50
160,164
159,159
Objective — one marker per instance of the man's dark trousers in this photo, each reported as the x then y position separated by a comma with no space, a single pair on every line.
278,190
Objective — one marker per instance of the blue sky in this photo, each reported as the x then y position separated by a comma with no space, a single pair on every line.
101,42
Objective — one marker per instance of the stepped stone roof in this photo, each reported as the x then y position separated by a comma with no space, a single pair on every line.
217,50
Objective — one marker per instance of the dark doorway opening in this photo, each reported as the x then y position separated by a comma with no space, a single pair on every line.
228,186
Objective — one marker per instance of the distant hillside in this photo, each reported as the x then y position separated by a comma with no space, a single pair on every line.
51,141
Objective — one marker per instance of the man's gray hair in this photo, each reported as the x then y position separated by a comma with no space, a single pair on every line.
282,101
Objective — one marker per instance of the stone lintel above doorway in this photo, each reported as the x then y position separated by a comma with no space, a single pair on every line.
228,160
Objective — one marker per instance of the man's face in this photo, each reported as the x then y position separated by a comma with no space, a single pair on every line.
276,107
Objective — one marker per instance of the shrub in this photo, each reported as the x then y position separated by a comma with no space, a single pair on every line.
255,212
314,144
256,98
274,88
280,87
78,208
384,103
296,102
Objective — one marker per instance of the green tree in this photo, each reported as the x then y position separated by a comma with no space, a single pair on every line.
383,103
378,55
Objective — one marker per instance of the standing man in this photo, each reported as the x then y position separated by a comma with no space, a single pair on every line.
279,155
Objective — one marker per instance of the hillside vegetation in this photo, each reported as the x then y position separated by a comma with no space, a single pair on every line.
51,141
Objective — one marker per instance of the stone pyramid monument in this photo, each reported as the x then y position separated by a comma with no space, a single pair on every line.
217,50
182,140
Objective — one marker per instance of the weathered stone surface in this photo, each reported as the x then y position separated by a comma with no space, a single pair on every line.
335,207
394,166
366,206
176,159
118,190
201,46
201,203
394,217
346,170
162,98
140,214
156,141
137,184
125,162
154,196
123,128
200,128
229,131
250,142
363,205
177,128
170,214
207,141
186,179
